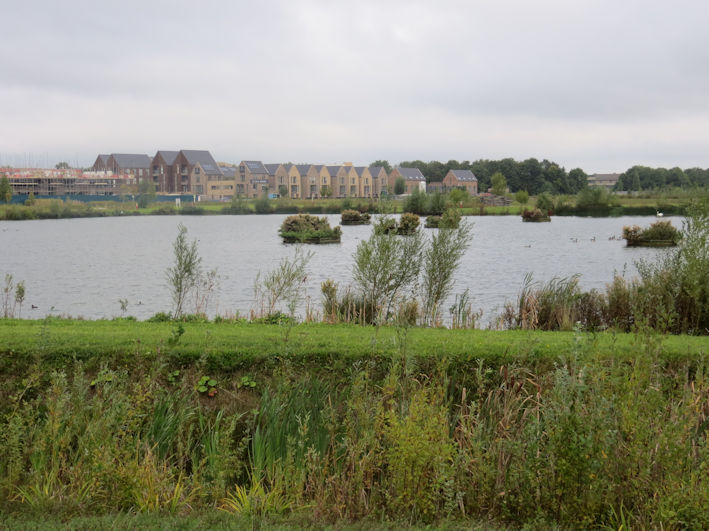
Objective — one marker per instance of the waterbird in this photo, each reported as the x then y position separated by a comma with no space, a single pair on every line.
658,213
34,307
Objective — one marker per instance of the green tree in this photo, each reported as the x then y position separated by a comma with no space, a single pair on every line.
441,258
146,193
545,202
383,163
62,166
5,190
385,266
283,190
458,195
499,183
262,205
185,273
578,180
522,196
399,186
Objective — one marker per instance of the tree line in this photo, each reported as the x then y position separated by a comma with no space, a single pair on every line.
640,178
537,177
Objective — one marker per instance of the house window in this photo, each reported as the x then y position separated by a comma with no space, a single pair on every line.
280,180
295,180
196,171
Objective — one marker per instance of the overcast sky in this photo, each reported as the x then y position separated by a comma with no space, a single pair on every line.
596,84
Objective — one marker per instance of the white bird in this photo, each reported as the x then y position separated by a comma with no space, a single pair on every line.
659,214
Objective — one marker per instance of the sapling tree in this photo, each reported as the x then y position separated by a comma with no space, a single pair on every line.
441,258
386,265
184,275
284,284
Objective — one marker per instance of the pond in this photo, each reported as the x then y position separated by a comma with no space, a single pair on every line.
82,267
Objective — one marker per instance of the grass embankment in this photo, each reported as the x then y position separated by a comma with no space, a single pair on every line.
105,421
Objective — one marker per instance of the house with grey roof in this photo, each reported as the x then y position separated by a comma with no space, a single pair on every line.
278,174
605,180
195,168
463,179
379,179
253,179
413,179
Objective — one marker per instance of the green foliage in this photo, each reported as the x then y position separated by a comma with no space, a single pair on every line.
285,283
62,166
659,233
184,275
5,189
522,196
12,297
441,259
386,265
262,205
399,186
354,217
206,386
30,201
499,183
535,215
146,193
588,437
594,197
408,224
545,203
306,228
283,190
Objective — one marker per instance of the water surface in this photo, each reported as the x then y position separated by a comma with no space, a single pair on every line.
82,267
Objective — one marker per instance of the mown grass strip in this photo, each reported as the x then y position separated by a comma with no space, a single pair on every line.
231,346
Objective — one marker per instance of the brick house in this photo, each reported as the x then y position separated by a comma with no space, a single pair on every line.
195,168
366,182
278,175
163,171
253,179
413,179
379,179
463,179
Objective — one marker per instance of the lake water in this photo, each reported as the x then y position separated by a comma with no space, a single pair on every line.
82,267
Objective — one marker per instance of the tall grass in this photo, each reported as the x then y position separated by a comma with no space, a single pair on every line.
585,442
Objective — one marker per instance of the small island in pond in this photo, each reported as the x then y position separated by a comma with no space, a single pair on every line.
354,217
659,234
304,228
535,215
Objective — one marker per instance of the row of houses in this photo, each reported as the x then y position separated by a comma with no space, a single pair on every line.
196,172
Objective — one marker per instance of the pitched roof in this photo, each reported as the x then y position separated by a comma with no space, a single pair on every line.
375,171
303,169
131,160
104,158
359,170
464,175
168,156
228,171
334,169
411,174
255,166
203,158
272,168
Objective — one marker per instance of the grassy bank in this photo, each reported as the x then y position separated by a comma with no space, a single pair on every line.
237,424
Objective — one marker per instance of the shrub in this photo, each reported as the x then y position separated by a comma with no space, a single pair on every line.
354,217
535,215
545,203
308,229
408,224
659,233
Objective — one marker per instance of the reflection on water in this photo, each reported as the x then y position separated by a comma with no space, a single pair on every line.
82,267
